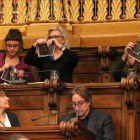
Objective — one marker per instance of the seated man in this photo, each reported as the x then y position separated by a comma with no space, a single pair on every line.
97,122
118,72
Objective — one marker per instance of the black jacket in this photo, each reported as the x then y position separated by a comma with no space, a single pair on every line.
118,72
99,123
13,119
64,64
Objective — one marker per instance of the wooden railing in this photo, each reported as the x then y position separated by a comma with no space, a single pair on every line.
15,12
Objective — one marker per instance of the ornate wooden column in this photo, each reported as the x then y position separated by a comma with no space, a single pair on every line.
52,87
71,129
105,52
131,94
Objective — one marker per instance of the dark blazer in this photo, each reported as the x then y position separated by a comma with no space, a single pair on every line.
13,119
100,124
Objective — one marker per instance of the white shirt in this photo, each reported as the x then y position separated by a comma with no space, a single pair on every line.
7,122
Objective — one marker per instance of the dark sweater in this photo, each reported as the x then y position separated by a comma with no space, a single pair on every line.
118,73
64,64
20,66
13,119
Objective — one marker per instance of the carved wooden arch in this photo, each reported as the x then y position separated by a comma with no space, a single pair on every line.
52,86
105,52
129,84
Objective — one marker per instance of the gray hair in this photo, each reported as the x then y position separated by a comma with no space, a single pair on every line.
17,137
63,33
83,92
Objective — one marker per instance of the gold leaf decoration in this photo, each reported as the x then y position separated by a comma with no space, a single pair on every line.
7,11
102,10
116,9
88,10
44,13
66,10
21,11
130,9
57,9
61,12
74,7
33,10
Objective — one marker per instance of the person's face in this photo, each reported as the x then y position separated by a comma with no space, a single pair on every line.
84,106
12,47
131,62
4,101
58,36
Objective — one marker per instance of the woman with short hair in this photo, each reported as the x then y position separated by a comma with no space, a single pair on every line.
7,119
63,60
11,57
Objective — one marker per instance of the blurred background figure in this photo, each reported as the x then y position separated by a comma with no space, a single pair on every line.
64,60
7,119
11,57
18,137
118,72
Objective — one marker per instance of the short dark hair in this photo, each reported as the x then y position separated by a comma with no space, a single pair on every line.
14,35
3,90
17,137
83,92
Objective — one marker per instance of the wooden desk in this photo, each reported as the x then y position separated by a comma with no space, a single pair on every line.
50,132
121,100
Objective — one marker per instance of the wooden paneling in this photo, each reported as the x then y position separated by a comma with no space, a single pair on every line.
26,115
108,40
39,29
106,28
101,102
83,78
27,102
30,101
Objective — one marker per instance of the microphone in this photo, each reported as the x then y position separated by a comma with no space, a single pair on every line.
76,114
34,119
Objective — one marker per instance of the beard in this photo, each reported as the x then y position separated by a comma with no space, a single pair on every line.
131,65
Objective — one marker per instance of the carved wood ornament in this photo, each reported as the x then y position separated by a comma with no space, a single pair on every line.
129,84
52,86
104,52
71,129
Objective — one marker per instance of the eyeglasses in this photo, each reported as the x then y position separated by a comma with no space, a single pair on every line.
12,45
79,104
55,37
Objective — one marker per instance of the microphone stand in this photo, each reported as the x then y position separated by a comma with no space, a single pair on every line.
34,119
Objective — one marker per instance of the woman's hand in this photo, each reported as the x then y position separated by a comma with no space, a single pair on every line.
39,41
50,41
127,50
20,73
5,66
